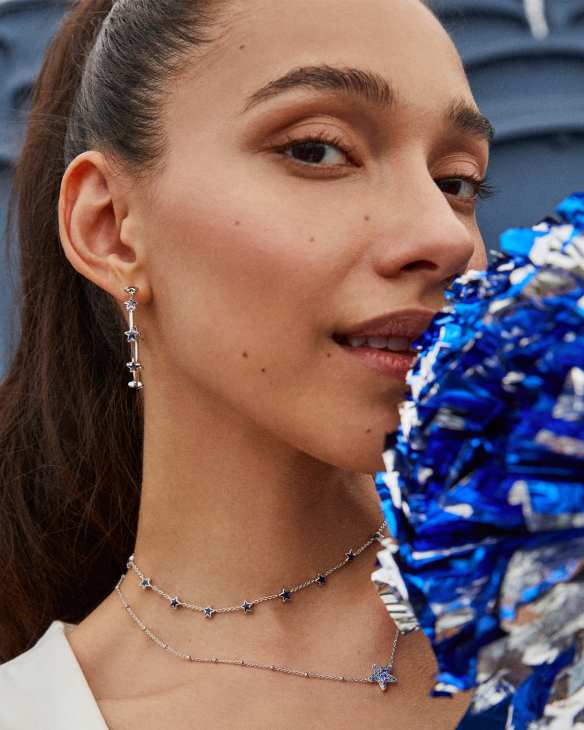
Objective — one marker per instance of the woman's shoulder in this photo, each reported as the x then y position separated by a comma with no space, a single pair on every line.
45,687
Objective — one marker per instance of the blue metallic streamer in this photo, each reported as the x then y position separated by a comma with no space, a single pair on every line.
484,483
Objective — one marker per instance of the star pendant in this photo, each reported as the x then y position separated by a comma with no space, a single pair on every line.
208,612
383,676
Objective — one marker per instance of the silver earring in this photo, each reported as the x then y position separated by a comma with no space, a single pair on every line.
133,334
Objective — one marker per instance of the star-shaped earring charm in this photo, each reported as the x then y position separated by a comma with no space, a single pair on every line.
383,676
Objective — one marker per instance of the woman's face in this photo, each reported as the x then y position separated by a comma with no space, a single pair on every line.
259,246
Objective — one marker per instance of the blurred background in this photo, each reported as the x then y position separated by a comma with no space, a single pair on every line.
525,62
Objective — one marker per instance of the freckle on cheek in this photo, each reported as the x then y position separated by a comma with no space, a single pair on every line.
242,46
236,223
245,354
365,217
263,370
368,430
312,239
328,354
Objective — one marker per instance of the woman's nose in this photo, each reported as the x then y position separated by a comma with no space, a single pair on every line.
427,237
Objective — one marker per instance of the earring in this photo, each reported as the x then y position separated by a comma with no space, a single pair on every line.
133,334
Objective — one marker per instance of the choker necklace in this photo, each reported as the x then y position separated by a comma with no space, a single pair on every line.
247,606
380,675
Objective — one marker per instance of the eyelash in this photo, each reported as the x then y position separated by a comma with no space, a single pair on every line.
482,186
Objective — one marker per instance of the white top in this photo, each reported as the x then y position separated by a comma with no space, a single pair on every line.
45,688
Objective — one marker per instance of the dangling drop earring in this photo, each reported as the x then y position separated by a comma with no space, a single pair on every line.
133,334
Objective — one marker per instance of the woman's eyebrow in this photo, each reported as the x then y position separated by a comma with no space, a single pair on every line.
465,118
368,86
358,82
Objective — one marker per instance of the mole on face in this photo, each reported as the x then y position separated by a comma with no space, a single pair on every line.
263,370
368,430
365,217
242,46
245,354
312,239
236,223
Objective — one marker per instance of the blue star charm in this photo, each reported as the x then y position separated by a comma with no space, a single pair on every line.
145,583
383,676
175,602
208,612
321,579
247,607
284,595
132,334
350,555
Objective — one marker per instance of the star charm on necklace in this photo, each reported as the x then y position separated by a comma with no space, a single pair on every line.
321,579
209,612
247,607
145,583
284,595
175,602
383,676
350,555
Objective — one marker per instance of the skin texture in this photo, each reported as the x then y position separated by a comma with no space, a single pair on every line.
261,435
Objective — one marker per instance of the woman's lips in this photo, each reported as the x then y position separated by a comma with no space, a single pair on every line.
386,362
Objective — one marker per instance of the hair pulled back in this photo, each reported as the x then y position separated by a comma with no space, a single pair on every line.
70,428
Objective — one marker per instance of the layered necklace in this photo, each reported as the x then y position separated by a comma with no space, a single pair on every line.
381,674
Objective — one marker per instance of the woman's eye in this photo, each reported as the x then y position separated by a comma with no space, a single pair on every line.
466,188
316,151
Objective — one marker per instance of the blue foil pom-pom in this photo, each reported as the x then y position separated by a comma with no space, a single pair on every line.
484,483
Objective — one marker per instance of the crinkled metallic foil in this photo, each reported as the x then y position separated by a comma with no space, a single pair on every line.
484,483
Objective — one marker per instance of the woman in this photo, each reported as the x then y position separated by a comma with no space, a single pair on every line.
248,184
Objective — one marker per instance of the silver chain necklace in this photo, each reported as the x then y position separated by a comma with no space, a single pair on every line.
381,674
247,606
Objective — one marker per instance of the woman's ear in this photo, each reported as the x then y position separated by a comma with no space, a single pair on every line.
94,230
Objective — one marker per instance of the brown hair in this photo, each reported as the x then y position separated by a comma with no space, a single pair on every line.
70,428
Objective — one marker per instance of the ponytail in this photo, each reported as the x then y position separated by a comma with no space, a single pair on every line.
70,428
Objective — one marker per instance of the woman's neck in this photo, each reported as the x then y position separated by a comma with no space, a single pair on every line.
230,514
